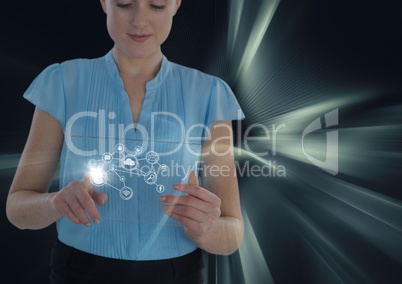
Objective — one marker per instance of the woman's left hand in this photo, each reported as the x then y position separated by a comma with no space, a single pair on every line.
197,211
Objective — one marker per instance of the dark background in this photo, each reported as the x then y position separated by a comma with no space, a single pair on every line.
315,56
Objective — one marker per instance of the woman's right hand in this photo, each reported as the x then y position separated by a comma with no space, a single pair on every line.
77,201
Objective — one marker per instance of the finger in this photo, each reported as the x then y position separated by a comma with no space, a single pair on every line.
190,225
198,192
186,211
193,179
188,200
100,198
96,196
78,210
86,182
88,204
66,211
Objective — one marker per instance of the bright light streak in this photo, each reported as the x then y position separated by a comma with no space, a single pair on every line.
236,8
253,263
261,23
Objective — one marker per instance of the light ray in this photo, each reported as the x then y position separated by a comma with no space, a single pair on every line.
255,268
262,20
236,8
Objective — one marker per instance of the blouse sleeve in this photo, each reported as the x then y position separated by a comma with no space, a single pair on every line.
222,106
47,93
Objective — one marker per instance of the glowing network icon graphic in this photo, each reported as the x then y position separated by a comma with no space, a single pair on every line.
120,163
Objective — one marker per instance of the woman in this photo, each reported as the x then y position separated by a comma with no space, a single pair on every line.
129,130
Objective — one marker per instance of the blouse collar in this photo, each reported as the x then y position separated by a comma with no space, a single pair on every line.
152,84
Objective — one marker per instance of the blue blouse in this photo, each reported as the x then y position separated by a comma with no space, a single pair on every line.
133,165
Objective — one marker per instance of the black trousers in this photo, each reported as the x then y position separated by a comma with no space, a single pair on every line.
69,265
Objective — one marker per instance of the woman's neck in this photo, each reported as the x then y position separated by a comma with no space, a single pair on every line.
145,68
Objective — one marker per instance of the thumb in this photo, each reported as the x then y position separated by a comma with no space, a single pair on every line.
193,179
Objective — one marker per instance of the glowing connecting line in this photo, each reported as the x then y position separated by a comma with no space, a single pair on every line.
120,164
